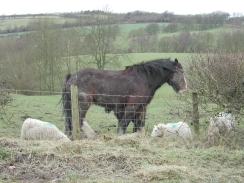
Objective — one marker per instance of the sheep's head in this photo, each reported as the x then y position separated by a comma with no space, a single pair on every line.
157,131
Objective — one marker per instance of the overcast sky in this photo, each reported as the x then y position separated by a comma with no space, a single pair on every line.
9,7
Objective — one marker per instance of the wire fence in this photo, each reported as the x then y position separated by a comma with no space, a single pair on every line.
43,106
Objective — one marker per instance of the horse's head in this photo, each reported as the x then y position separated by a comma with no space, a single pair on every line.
177,79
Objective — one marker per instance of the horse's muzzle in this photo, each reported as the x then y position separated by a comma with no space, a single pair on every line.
182,89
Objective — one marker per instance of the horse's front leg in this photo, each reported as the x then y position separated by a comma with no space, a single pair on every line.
129,115
139,123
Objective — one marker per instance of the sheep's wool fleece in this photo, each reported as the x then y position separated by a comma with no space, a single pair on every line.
223,121
180,128
34,129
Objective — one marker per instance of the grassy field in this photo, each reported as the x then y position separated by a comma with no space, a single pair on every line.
6,23
128,27
128,158
12,22
110,158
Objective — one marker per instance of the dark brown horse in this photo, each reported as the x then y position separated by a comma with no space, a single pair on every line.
126,92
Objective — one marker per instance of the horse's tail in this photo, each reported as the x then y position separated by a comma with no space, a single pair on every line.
66,103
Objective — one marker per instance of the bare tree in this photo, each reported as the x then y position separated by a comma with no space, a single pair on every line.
201,42
152,28
141,41
164,44
231,41
172,27
98,40
15,64
48,50
187,22
181,42
71,50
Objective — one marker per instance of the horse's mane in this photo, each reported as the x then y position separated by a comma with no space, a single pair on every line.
153,67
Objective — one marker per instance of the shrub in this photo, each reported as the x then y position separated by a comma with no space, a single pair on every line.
218,78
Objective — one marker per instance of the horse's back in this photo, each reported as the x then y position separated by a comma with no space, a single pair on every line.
92,75
113,82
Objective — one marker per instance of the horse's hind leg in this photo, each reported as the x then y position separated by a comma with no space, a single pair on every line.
139,123
129,114
68,127
68,118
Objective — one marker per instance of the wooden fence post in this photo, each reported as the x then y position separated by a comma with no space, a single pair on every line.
195,119
75,113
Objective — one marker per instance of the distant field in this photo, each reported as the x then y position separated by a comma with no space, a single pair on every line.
6,23
24,21
125,28
129,27
12,22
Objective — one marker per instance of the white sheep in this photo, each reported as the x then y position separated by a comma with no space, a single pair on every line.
34,129
221,124
181,129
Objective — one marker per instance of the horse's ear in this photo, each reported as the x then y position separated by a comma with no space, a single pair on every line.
176,61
